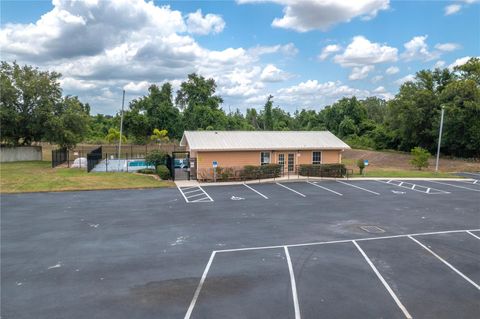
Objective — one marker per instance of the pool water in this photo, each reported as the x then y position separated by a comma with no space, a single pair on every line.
138,163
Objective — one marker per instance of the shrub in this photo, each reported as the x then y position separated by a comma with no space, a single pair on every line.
361,165
263,171
419,157
156,158
146,171
322,170
163,172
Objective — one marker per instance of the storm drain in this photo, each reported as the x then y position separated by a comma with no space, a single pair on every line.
372,229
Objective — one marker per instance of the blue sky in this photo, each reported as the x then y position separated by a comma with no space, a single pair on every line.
307,54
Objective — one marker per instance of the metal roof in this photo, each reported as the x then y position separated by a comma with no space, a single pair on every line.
260,140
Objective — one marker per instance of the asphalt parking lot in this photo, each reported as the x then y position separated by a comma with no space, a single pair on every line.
317,249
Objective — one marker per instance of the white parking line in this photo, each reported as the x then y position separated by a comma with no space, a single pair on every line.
255,191
390,291
199,191
472,189
294,285
291,190
199,287
346,240
327,189
446,263
367,190
473,234
414,187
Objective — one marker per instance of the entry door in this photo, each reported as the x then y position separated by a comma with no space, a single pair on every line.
291,162
281,161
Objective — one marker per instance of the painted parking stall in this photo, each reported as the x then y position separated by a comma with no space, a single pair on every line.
365,277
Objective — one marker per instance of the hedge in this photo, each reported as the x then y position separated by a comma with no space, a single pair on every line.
262,171
323,170
163,172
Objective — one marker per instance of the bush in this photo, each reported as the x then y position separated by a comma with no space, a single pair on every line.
224,173
263,171
361,165
163,172
419,157
322,170
146,171
156,158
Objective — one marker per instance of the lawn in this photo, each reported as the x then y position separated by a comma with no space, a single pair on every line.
38,176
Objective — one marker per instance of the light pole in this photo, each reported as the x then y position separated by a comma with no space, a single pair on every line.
439,138
121,131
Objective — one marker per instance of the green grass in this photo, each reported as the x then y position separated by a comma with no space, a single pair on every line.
403,173
38,176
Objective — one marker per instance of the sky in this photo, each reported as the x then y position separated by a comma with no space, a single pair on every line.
307,54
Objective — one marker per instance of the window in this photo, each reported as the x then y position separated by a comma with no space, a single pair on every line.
281,160
264,158
316,157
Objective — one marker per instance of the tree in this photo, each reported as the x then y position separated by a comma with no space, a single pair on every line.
113,136
267,114
156,158
419,157
160,136
361,165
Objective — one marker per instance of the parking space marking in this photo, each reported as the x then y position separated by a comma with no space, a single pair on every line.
385,284
364,189
458,186
327,189
346,240
473,234
446,263
251,188
471,181
414,187
199,287
293,284
291,190
199,191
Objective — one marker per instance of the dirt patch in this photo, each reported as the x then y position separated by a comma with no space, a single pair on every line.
401,161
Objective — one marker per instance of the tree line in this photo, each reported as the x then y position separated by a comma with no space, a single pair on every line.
33,109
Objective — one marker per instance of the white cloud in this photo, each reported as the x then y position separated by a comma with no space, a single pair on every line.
273,74
447,47
392,70
407,78
452,9
377,78
359,73
307,15
381,92
363,52
439,64
417,49
458,62
329,49
288,49
199,24
137,87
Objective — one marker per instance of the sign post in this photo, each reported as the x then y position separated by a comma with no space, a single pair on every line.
214,164
365,162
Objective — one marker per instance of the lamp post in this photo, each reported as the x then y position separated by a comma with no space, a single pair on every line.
121,132
439,138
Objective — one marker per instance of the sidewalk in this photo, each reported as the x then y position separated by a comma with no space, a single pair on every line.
299,178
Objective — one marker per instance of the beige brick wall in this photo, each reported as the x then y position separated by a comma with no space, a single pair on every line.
239,159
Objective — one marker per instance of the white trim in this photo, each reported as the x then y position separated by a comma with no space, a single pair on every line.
347,240
255,191
385,284
367,190
291,190
199,287
293,284
446,263
327,189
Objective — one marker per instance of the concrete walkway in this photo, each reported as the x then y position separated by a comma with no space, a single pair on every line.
299,178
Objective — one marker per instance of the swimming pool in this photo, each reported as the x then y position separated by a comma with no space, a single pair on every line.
116,165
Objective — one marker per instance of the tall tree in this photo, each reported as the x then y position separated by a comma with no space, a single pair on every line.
267,114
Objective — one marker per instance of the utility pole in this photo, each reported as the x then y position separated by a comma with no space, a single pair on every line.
121,130
439,138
